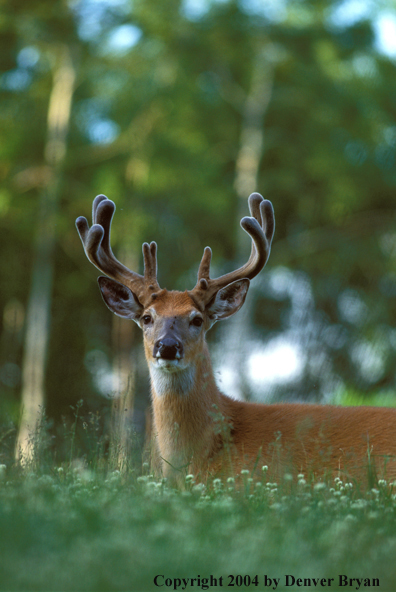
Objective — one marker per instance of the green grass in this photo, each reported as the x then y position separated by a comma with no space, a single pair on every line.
80,525
78,529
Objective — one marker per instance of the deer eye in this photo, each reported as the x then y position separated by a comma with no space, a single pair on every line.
146,319
197,321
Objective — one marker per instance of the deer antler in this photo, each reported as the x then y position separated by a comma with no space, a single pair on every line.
96,243
260,226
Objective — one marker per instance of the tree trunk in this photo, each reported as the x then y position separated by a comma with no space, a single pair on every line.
121,433
39,304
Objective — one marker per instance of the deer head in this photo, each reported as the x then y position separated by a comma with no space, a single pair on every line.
174,323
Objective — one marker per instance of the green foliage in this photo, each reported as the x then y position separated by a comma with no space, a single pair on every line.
78,529
353,398
157,126
84,525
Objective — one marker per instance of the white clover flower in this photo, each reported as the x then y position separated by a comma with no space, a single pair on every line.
46,479
300,476
372,515
275,506
245,472
350,518
264,468
86,476
189,478
230,480
270,485
319,486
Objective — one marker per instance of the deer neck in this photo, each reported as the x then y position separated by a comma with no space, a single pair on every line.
183,404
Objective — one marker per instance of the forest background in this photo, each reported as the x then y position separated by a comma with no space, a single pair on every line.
177,110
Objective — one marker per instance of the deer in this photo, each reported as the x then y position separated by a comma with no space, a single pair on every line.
199,430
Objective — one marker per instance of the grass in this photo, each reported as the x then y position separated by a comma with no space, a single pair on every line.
83,526
74,529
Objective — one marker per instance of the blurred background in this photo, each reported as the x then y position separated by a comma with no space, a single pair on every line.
178,110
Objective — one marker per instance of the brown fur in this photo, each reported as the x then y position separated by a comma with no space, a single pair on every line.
206,433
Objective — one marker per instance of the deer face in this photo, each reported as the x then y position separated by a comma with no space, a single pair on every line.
173,331
174,324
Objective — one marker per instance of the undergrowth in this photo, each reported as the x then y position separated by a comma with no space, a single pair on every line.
82,525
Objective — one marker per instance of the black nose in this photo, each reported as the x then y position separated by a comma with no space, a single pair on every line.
168,348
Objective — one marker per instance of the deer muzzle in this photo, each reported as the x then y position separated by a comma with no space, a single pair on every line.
168,348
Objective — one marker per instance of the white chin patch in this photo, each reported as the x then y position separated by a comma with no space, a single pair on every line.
168,365
170,378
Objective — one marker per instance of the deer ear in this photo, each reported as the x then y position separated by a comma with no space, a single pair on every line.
120,299
228,300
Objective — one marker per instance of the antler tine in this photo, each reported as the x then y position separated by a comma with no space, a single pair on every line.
95,204
262,234
150,264
260,226
96,243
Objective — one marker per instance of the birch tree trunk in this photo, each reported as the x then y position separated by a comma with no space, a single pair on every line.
39,303
251,148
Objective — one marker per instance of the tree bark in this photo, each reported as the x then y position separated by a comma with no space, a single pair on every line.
39,303
121,430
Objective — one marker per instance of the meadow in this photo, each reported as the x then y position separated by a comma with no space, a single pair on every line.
84,526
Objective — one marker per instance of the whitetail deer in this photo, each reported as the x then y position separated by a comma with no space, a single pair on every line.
198,429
